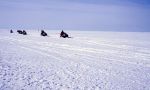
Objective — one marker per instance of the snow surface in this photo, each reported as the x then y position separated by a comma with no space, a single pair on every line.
88,61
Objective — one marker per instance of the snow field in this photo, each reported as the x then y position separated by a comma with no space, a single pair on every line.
88,61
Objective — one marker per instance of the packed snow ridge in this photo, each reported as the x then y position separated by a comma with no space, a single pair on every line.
91,60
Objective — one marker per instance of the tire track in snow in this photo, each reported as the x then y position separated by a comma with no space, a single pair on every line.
34,50
90,50
47,54
42,53
87,62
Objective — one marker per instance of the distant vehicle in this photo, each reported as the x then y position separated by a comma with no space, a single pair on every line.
19,31
64,35
11,31
43,33
24,32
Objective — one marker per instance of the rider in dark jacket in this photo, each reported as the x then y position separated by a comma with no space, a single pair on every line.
63,34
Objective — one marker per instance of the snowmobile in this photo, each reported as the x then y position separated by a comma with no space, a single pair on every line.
19,31
43,33
64,35
11,31
24,32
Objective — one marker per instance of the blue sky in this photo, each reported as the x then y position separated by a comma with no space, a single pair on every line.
105,15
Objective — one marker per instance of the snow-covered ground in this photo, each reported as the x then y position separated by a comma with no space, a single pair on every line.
88,61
